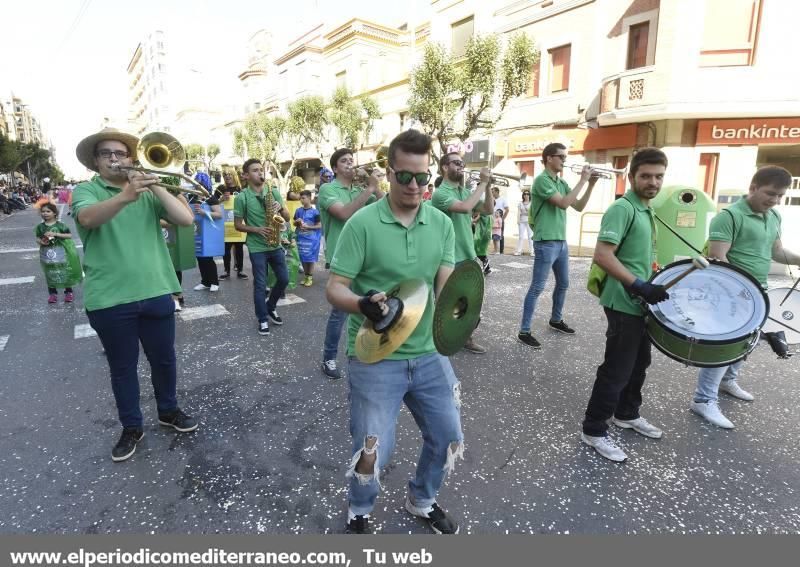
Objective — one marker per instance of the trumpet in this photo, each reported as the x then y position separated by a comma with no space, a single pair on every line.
602,172
161,154
499,179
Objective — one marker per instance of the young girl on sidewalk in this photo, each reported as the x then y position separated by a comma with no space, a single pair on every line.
58,255
497,230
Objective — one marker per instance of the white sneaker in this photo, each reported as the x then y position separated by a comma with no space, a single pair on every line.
213,288
605,446
731,387
711,413
177,305
199,287
639,425
517,253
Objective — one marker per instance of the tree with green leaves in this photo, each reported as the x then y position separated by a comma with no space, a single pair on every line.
353,119
29,159
452,97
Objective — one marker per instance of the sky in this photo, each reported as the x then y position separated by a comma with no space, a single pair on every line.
67,59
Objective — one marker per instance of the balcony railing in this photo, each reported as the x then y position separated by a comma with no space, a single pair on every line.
628,90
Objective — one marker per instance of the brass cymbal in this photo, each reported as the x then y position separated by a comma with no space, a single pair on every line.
372,346
458,308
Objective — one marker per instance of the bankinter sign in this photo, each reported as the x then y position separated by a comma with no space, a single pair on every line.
749,131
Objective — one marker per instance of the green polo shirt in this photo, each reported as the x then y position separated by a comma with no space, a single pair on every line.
551,221
376,251
125,259
637,252
447,194
752,236
249,206
330,194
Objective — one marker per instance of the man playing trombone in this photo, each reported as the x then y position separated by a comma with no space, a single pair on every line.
129,278
547,216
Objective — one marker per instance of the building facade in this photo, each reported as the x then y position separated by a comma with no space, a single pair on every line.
150,106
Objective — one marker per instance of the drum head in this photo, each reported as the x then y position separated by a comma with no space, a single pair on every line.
719,304
786,316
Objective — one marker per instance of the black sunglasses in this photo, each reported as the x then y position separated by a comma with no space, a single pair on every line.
405,177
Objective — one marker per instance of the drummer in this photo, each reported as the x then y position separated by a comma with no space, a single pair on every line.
626,251
747,235
394,240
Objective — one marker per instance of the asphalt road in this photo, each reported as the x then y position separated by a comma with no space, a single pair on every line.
273,445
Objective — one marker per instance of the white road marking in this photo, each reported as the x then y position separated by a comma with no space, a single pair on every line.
18,250
4,341
12,281
516,265
83,330
191,313
291,299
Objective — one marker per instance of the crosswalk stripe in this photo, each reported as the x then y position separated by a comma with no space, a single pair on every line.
12,281
516,265
203,311
290,299
18,250
4,341
84,330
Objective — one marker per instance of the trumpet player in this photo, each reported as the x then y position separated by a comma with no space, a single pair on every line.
130,279
338,201
250,216
547,216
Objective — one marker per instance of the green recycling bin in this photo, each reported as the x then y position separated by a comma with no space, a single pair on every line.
688,211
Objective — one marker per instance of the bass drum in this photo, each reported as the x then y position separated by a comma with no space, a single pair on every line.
784,313
713,317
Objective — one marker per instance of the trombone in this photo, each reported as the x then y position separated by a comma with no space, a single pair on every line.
161,154
602,172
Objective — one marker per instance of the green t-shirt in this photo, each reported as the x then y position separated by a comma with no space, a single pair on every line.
637,253
752,236
551,221
249,206
442,199
376,251
330,194
125,259
58,227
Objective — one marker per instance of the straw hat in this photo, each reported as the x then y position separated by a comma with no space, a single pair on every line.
85,149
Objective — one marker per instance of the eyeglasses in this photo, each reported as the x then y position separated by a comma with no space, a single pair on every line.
562,157
455,162
405,177
120,154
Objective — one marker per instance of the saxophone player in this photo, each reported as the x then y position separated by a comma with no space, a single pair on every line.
251,216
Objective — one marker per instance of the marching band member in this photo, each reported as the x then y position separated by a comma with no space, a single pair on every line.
238,247
251,217
129,278
394,240
455,200
747,235
626,251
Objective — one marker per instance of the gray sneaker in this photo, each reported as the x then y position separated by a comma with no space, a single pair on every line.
711,413
732,388
639,425
330,370
605,446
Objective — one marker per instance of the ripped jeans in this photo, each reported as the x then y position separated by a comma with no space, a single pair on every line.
432,393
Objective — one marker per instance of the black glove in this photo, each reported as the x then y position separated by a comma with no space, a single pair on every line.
370,309
651,293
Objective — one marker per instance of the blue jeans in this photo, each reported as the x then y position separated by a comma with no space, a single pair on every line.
709,379
333,332
548,254
432,393
276,259
121,328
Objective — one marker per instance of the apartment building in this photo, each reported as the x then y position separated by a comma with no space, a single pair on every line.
150,105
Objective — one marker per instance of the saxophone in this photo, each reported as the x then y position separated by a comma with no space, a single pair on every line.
273,220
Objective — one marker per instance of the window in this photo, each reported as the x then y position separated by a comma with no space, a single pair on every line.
533,86
730,40
707,173
462,33
341,79
637,45
559,68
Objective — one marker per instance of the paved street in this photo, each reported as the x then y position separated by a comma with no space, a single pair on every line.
273,445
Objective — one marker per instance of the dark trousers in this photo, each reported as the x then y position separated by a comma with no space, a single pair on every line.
54,291
617,389
239,256
503,236
260,261
121,328
208,271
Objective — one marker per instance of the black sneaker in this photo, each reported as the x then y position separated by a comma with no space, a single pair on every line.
358,525
263,328
330,370
225,276
562,327
274,317
126,446
241,275
178,420
439,521
530,340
